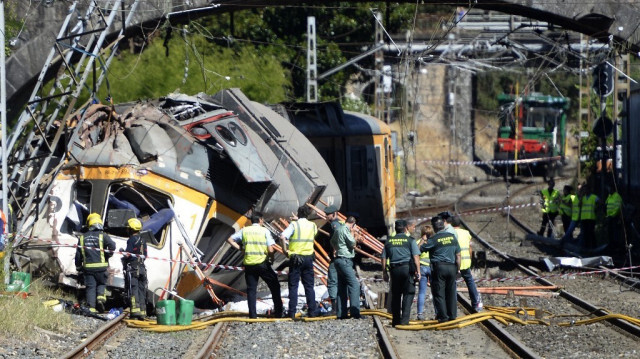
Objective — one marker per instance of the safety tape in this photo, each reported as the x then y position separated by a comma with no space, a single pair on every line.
494,162
236,268
486,210
202,266
533,277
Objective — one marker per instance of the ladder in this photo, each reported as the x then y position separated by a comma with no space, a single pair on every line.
36,147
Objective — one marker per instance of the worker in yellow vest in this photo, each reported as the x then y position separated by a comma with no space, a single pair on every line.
300,233
566,204
257,243
464,239
550,201
612,219
588,219
576,203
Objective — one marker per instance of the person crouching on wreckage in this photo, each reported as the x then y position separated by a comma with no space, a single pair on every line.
135,272
257,243
95,247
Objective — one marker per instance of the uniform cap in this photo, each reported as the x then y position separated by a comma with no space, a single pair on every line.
330,210
93,218
134,224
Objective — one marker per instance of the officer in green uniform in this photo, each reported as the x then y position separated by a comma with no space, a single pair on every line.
444,253
404,263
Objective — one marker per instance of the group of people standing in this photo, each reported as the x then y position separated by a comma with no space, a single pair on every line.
297,242
580,210
443,251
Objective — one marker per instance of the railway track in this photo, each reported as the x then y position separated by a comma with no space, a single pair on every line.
575,300
95,341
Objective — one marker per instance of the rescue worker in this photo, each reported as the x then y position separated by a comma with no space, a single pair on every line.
95,247
3,229
404,263
300,233
444,253
256,243
575,214
425,270
466,253
612,218
588,219
549,208
135,270
344,243
566,205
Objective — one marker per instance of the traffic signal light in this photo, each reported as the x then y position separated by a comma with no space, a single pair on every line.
603,80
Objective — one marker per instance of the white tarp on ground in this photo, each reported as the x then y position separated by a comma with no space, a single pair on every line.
552,262
265,303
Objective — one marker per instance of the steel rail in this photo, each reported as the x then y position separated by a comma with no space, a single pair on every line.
509,344
387,350
621,324
212,341
98,338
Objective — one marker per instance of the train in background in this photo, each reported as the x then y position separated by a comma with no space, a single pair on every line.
357,149
531,126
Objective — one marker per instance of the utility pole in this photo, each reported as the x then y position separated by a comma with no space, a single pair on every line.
312,64
379,63
3,131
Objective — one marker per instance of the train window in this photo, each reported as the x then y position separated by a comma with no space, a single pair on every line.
359,167
79,210
238,133
386,150
213,238
226,135
132,199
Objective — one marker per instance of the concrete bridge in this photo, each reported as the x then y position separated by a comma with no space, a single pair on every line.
616,20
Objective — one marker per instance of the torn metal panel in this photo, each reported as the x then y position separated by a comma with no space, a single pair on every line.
295,153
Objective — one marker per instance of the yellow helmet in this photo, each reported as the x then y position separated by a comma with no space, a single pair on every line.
134,224
93,218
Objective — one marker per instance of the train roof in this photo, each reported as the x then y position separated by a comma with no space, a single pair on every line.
536,98
328,119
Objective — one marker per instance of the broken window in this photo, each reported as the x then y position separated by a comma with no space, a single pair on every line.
134,200
79,208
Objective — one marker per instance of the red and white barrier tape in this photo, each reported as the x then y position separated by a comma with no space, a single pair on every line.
517,278
487,210
493,162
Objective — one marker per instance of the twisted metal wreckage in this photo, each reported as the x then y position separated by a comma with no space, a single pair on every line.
192,168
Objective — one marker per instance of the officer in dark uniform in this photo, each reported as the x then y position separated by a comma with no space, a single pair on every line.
135,271
404,263
444,252
92,258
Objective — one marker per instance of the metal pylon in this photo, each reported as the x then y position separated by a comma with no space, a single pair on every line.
36,148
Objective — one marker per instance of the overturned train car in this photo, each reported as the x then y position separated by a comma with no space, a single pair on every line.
192,168
357,148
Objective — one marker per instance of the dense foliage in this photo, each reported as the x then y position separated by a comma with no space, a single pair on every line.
261,51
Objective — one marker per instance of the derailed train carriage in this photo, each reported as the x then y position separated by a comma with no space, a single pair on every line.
192,168
357,149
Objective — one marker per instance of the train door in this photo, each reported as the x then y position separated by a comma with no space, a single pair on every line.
362,180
